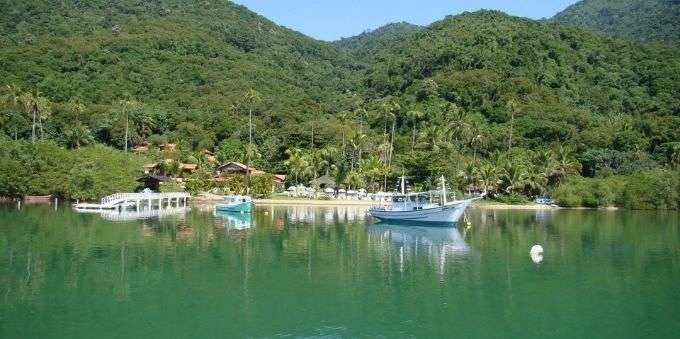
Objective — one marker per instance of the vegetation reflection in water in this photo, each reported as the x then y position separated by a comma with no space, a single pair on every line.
306,271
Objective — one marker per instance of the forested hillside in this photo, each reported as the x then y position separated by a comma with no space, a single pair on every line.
186,66
364,44
643,20
496,103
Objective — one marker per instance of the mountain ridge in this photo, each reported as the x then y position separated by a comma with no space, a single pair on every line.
642,20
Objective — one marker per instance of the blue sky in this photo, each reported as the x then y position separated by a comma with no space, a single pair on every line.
333,19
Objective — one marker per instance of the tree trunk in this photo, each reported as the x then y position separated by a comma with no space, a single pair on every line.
413,142
512,126
33,126
343,143
127,127
394,123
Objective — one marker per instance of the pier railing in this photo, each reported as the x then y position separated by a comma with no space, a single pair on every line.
127,197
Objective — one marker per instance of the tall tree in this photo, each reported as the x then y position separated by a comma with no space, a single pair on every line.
511,107
39,108
414,116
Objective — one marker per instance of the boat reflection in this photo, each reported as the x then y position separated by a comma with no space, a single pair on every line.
448,239
438,244
235,221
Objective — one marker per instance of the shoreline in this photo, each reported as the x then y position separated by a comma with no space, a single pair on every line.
203,200
312,202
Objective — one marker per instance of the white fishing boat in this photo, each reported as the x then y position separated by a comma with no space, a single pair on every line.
422,207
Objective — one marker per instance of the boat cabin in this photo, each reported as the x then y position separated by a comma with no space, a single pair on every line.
237,199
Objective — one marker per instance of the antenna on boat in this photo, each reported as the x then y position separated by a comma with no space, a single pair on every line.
443,190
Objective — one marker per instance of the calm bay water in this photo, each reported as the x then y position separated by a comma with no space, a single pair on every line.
328,272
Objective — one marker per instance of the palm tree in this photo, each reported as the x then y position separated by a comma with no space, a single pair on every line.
355,179
340,174
12,99
489,177
299,164
38,107
414,116
250,151
432,138
537,179
127,104
361,113
325,159
475,142
457,125
565,164
470,176
358,141
78,135
372,169
514,176
675,156
343,118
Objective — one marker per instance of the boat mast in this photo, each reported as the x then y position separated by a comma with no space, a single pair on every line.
443,190
250,147
403,184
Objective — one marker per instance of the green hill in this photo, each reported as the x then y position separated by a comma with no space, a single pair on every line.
569,85
364,44
643,20
189,62
527,103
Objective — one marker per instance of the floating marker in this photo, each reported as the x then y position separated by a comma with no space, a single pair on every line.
536,254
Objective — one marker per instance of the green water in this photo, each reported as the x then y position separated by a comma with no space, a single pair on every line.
326,272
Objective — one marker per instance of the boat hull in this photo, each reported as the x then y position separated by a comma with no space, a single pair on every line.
244,207
447,214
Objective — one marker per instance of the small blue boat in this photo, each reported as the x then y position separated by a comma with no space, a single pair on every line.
235,203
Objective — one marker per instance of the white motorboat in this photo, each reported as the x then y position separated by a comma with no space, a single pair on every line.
422,207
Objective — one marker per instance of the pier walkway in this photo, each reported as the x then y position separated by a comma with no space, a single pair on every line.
138,201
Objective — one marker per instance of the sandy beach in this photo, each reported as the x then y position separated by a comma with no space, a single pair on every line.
491,205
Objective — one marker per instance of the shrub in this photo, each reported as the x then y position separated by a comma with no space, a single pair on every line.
200,181
567,195
652,190
171,187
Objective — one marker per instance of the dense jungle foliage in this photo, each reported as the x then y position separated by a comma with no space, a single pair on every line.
369,42
643,20
495,103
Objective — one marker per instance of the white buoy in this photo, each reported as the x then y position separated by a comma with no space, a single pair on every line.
536,254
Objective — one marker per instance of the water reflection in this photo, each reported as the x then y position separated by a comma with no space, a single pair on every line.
449,239
235,221
325,215
438,244
129,215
